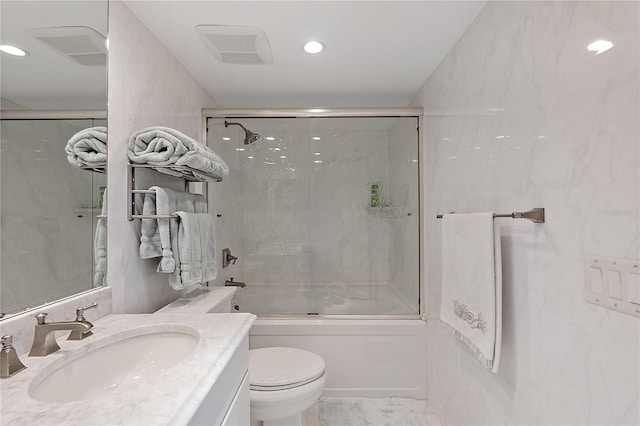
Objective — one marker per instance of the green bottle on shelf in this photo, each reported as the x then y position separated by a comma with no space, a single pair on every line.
375,196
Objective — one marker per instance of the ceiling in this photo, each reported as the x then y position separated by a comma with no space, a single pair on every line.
45,79
378,53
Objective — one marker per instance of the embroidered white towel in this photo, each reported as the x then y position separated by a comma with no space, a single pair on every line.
472,283
196,249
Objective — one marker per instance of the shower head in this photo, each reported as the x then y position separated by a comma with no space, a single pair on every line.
249,136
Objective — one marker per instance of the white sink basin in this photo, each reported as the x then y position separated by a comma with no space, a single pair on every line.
105,370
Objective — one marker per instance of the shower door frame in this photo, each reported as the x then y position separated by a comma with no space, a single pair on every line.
391,112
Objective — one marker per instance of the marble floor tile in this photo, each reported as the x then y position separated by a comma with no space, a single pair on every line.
370,412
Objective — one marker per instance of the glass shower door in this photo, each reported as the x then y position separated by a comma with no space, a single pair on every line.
364,214
322,214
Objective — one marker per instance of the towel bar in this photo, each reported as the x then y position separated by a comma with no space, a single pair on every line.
131,190
534,215
188,177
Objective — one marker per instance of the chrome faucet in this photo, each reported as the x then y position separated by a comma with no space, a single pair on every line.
44,339
231,283
10,364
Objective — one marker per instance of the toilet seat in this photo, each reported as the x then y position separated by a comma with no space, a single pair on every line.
278,368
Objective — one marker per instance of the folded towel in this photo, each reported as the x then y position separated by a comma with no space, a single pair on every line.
162,146
158,236
88,148
472,283
100,247
197,251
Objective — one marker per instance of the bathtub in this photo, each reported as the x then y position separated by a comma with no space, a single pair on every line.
366,356
333,299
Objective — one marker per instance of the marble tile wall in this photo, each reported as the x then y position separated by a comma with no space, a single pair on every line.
283,210
147,87
521,115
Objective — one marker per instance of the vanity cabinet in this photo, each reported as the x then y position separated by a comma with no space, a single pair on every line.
227,403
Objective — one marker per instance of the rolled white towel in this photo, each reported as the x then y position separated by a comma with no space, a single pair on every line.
88,148
163,146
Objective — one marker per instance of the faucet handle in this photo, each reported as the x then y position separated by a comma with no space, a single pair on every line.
41,317
7,341
80,311
10,364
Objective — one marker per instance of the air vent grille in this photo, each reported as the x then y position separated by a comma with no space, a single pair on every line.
82,45
234,44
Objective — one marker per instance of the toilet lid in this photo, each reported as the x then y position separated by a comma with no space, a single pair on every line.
283,368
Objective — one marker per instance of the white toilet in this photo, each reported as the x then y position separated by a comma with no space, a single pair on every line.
283,383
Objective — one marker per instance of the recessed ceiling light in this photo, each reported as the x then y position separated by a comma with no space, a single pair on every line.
250,157
283,156
313,47
270,138
226,139
316,153
318,161
316,138
12,50
239,149
599,46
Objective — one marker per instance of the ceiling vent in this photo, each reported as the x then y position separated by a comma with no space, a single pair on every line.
82,45
234,44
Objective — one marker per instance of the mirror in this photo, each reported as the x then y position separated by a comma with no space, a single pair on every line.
52,233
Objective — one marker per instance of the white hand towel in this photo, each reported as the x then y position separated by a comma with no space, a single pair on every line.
158,235
197,250
100,247
472,283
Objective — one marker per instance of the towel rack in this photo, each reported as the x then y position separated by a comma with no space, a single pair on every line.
534,215
132,191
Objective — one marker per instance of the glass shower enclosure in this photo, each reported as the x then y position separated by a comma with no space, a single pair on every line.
321,211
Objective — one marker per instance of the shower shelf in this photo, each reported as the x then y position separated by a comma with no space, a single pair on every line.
132,190
380,208
89,211
95,169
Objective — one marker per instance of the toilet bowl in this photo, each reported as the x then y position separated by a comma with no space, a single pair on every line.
283,383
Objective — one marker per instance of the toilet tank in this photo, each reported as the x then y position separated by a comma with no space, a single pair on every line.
202,300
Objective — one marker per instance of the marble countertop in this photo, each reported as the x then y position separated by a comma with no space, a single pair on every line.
200,300
171,397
